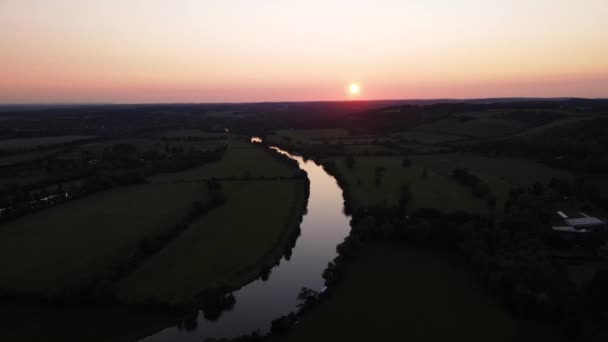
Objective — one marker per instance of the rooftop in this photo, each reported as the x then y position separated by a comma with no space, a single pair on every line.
569,229
584,221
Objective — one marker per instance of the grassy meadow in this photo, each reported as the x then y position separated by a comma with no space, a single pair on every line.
26,157
392,293
240,160
425,137
192,133
32,143
71,244
430,179
76,323
429,189
306,134
501,174
477,128
106,228
223,245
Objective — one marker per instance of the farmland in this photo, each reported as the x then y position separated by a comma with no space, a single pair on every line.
478,128
429,189
192,133
240,161
424,222
25,157
426,137
378,173
106,228
103,230
105,323
249,227
390,292
501,174
33,143
429,163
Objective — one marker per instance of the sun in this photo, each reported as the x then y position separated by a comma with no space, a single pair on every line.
354,89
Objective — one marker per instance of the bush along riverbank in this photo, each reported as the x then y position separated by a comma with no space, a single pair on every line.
212,299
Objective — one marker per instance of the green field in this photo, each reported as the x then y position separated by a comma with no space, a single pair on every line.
31,143
26,157
554,124
437,189
111,323
196,133
478,128
392,293
367,149
314,133
426,137
71,244
222,246
434,190
240,160
146,145
105,229
501,174
19,179
97,148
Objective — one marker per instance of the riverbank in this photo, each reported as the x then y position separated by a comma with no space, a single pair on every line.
104,323
323,227
367,301
225,249
391,292
266,209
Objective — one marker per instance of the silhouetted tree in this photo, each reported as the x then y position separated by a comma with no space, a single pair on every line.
350,162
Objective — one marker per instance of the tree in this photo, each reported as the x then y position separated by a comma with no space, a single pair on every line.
405,196
538,188
280,325
379,173
124,151
307,298
598,296
491,202
350,162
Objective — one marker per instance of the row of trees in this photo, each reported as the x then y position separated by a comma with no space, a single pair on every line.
43,147
511,258
100,289
579,146
478,187
214,301
218,137
121,165
320,151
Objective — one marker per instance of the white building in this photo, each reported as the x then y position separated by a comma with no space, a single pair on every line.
579,225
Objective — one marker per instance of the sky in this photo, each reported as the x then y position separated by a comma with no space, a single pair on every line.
136,51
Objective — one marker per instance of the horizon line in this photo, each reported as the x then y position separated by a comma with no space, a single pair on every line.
556,98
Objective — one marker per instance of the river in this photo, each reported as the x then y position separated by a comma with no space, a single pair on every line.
323,227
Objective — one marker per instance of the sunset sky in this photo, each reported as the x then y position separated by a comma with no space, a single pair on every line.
282,50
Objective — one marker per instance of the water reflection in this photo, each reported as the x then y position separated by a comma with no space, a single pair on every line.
258,303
